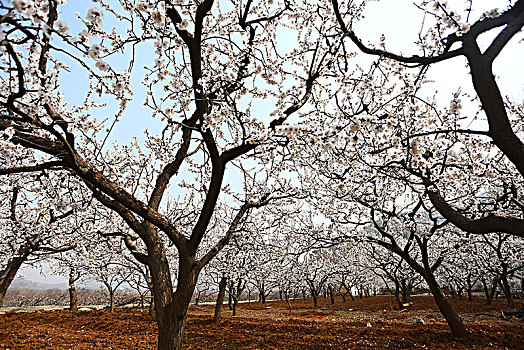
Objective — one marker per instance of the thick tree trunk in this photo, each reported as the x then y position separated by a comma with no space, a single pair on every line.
331,296
315,300
220,300
170,308
451,316
171,317
73,297
13,265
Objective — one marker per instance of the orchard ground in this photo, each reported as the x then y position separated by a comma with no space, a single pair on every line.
368,323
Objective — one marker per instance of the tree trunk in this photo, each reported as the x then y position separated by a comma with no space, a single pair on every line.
459,292
286,295
170,308
230,295
152,307
342,295
452,290
235,305
507,293
315,300
173,316
13,265
486,289
454,322
451,316
331,296
220,299
470,294
405,288
73,297
111,301
491,295
397,296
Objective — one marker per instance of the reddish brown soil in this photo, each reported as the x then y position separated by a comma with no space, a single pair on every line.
372,323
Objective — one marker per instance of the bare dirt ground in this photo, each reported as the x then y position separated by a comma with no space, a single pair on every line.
368,323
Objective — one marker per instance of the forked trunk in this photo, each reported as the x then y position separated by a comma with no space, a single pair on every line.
170,308
171,317
170,329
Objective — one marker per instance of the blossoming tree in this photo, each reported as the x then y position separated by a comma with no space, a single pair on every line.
212,63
